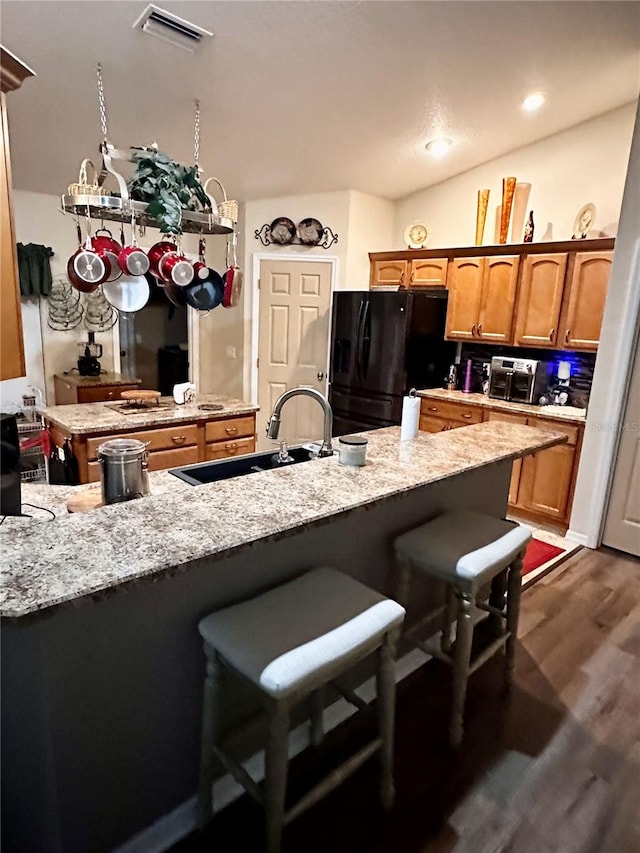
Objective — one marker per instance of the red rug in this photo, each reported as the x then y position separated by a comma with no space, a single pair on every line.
538,553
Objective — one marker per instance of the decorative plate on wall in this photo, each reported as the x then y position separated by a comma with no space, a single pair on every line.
416,235
283,230
310,231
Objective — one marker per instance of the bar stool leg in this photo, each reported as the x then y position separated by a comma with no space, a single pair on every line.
497,600
447,619
276,765
462,657
513,615
386,690
403,581
210,733
317,711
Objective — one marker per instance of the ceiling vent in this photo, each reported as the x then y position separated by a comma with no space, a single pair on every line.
170,28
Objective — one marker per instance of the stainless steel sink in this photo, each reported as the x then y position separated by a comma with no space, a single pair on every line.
225,469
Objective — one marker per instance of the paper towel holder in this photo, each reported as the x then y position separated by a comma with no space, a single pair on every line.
413,392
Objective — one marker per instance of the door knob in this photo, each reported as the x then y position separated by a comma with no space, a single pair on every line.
320,375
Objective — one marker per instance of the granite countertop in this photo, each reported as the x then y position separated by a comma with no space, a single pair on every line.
103,379
48,564
560,413
80,418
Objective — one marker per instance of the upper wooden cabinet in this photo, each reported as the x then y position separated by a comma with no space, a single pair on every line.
585,295
12,364
431,272
548,295
481,298
540,300
388,273
465,298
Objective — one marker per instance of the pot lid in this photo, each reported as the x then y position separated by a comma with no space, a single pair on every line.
122,447
355,440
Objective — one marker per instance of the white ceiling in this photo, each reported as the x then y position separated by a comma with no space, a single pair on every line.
302,97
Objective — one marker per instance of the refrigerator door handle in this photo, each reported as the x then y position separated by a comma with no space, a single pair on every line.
366,339
359,341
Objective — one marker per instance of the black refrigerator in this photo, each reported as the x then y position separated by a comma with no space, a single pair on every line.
383,344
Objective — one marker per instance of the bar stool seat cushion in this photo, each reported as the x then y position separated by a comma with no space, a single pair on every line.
294,636
463,547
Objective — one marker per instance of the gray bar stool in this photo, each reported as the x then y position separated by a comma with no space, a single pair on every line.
290,642
466,550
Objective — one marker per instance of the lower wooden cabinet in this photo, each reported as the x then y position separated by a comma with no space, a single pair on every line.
542,485
168,446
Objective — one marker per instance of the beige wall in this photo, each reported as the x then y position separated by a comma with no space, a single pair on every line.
586,163
370,225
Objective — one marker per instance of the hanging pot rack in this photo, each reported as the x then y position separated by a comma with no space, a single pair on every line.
120,207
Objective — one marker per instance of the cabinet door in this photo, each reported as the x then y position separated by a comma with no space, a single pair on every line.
545,481
540,300
12,363
388,272
464,280
585,303
430,272
499,282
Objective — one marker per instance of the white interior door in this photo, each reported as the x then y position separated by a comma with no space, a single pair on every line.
622,527
295,301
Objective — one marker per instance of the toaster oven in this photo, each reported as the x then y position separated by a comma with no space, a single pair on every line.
521,380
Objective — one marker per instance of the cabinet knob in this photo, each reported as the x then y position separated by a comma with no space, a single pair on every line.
231,430
473,330
567,335
433,408
110,394
479,330
466,416
231,445
552,333
178,439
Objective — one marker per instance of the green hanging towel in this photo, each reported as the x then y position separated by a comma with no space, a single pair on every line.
34,269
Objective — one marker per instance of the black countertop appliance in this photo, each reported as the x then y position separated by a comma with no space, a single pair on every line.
10,493
383,343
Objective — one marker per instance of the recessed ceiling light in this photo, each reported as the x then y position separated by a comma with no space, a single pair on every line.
533,102
439,147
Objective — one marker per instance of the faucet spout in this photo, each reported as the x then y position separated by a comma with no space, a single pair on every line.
273,427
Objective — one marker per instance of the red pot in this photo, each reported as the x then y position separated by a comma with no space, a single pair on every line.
109,250
132,260
156,253
176,268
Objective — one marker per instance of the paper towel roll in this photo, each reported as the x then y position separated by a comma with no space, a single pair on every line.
410,418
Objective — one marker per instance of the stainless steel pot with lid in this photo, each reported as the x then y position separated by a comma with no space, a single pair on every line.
124,469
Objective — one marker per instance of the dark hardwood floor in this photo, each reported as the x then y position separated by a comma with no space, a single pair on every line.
552,768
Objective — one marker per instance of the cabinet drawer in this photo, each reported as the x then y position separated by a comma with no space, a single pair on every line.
230,428
180,435
102,393
223,449
451,411
548,425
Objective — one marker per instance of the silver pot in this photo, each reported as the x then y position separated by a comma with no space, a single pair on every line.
124,469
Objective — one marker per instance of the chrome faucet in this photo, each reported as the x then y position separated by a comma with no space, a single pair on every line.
273,427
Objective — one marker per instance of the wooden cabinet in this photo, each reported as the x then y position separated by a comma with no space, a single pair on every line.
430,272
169,446
465,298
585,295
107,387
12,363
482,294
540,300
388,273
542,485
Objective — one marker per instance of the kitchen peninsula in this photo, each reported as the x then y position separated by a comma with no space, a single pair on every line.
102,664
211,427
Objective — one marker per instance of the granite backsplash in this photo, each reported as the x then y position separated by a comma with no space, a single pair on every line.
582,366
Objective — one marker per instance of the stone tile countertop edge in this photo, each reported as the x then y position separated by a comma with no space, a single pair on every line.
558,413
79,418
45,564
